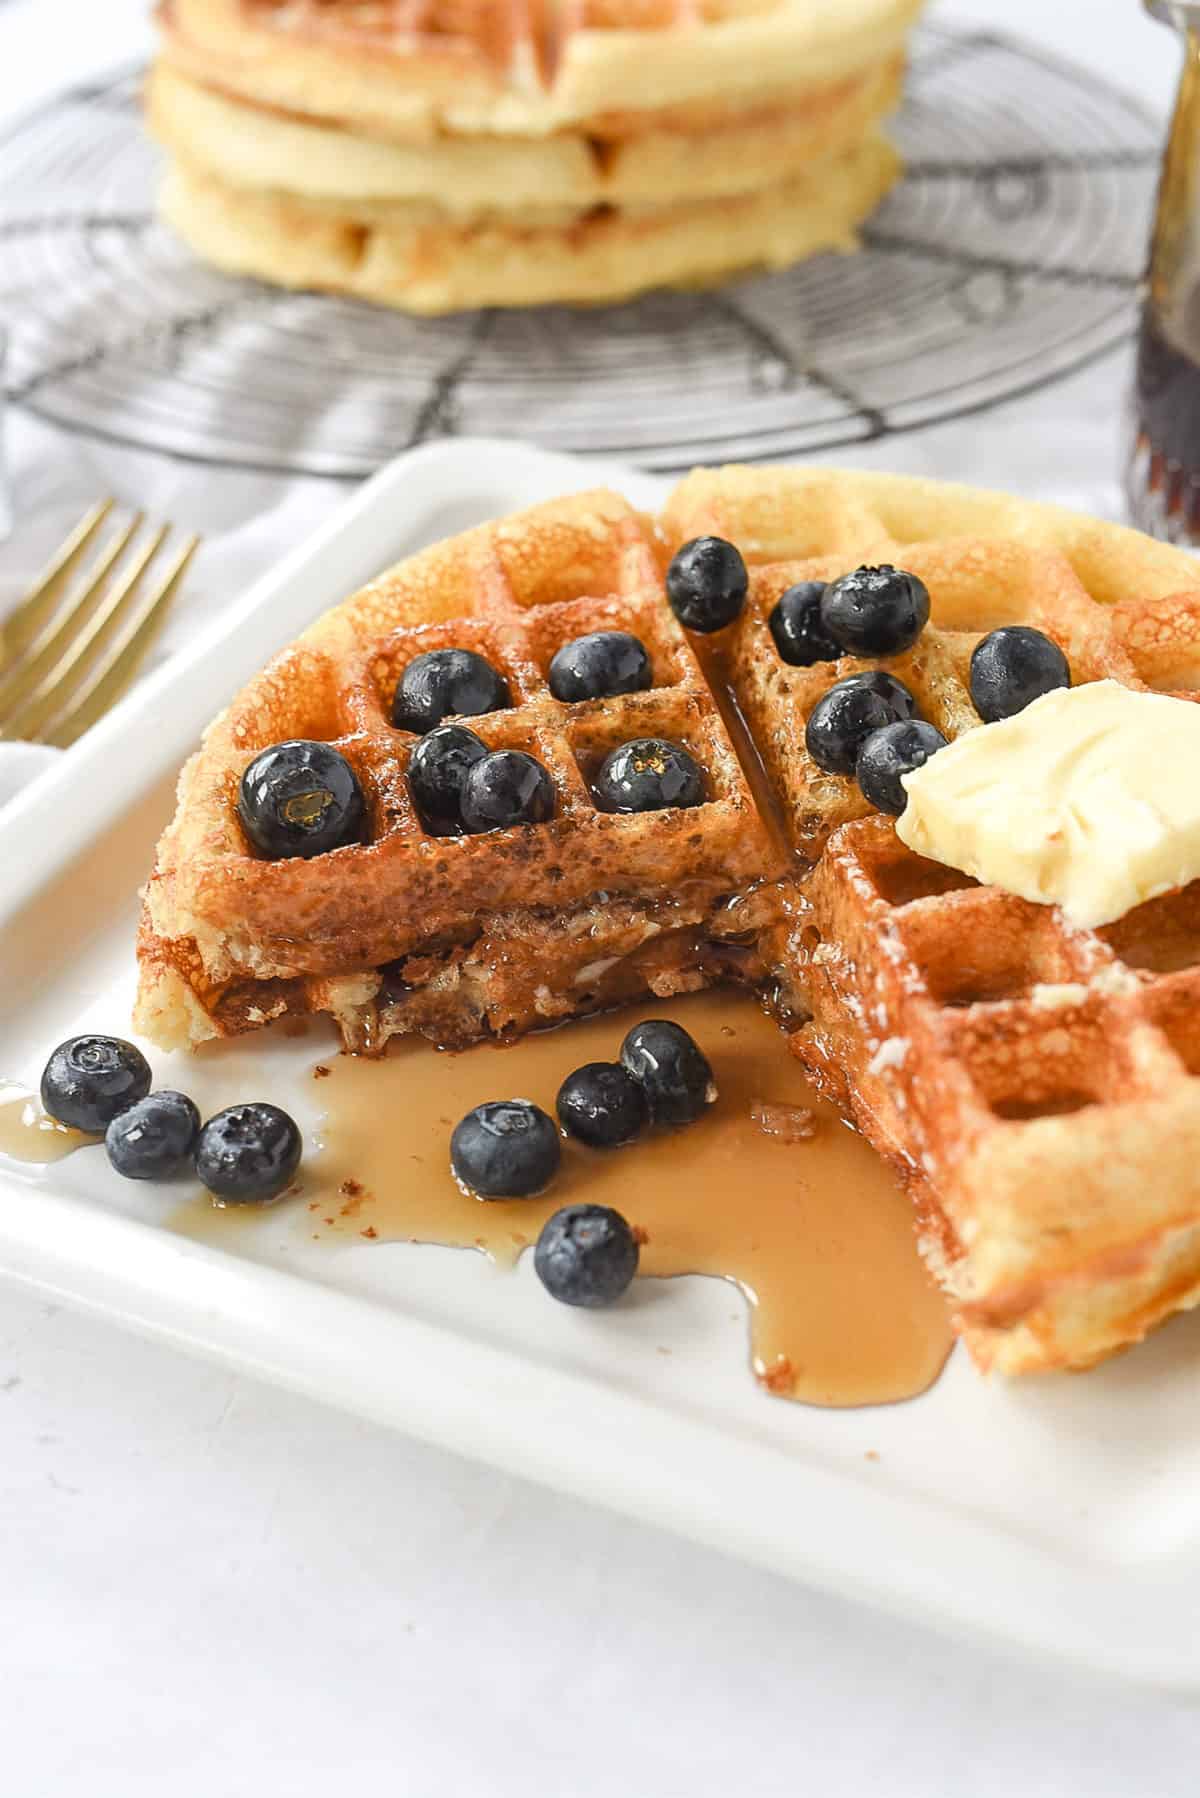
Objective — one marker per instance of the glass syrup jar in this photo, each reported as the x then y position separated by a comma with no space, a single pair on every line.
1163,471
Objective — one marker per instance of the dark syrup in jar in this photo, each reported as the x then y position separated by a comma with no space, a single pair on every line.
1165,468
1163,475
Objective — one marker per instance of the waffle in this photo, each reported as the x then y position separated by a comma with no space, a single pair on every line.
1016,572
421,260
445,156
459,937
415,70
1031,1082
534,180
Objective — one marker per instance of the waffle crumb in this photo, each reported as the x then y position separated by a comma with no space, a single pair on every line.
786,1123
779,1377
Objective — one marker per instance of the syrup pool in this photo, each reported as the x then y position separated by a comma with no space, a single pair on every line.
28,1134
769,1190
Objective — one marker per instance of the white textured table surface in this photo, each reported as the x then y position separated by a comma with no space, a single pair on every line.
213,1588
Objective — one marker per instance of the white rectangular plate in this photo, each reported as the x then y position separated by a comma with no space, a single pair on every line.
1061,1512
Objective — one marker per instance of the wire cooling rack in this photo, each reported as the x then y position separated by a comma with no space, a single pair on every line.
1008,256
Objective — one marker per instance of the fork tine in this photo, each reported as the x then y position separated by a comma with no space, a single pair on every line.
24,623
59,630
110,677
60,680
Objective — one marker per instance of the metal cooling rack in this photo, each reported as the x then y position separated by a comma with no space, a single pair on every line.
1007,257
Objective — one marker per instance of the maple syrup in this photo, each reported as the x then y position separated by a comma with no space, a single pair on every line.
1163,476
27,1133
769,1189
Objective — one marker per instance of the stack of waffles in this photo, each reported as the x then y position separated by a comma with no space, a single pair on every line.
445,154
1036,1085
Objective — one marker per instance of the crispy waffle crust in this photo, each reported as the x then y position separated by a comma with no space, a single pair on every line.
1034,1084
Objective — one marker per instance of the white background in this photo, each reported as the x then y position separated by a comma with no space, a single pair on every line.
208,1587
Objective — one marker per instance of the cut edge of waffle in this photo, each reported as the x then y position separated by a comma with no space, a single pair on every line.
861,949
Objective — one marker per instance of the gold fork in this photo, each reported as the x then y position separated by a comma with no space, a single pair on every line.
65,660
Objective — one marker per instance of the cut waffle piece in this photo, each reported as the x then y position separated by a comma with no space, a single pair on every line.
460,936
1036,1086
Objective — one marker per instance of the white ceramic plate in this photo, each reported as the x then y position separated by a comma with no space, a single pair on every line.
1062,1513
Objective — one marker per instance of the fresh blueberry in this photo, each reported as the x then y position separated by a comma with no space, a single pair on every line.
796,625
648,775
707,584
247,1153
900,698
437,773
890,753
300,798
603,1105
1012,667
90,1080
447,683
505,788
876,611
507,1149
600,664
840,723
155,1138
670,1069
586,1255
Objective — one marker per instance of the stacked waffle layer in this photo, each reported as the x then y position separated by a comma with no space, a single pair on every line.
1036,1085
438,155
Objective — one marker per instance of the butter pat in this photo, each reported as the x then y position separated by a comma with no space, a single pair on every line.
1088,799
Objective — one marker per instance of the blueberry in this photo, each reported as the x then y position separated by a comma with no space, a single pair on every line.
603,1105
586,1255
840,723
648,775
796,625
670,1069
707,584
90,1080
447,683
300,798
900,698
437,773
248,1152
600,664
505,788
507,1149
155,1138
876,611
1012,667
888,753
